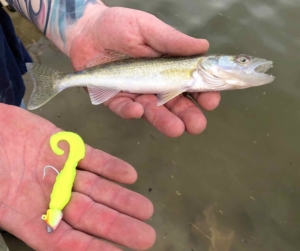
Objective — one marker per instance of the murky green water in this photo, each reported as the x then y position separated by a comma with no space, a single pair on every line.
236,186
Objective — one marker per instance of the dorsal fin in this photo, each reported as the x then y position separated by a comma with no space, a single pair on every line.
105,57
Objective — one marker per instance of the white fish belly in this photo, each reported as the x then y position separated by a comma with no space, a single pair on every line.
136,84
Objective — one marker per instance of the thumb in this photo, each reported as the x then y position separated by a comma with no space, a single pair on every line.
167,40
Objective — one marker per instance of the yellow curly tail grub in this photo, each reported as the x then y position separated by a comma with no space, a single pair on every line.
62,189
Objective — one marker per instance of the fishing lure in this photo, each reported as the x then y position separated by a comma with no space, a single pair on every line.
62,189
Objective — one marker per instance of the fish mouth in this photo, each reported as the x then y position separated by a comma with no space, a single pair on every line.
258,72
260,68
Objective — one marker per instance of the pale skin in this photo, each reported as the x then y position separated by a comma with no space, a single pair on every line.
98,207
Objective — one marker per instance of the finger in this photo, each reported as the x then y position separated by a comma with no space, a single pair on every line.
124,106
113,195
194,120
167,40
208,100
160,117
108,166
78,241
86,215
143,50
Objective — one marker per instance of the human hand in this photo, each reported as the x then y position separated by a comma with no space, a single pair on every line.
98,207
140,34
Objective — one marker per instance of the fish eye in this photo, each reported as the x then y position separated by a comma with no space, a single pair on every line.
243,59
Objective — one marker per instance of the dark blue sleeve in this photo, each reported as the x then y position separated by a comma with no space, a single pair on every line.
13,57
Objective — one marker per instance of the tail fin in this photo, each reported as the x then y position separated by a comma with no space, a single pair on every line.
45,84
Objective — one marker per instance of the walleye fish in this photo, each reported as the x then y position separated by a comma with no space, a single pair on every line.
167,77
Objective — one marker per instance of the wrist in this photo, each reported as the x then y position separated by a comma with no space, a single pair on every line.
81,27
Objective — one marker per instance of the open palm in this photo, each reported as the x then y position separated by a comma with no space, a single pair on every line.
139,34
98,207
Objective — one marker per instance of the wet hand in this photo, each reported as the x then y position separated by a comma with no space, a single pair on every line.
98,206
139,34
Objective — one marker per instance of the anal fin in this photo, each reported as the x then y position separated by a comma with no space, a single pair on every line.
99,95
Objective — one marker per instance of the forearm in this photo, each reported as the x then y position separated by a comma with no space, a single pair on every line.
60,20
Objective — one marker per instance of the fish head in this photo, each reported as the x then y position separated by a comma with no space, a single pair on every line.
235,72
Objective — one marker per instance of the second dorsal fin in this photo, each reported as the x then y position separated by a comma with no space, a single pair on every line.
105,57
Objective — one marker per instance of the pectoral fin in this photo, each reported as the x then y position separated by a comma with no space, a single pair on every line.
99,95
183,75
164,97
